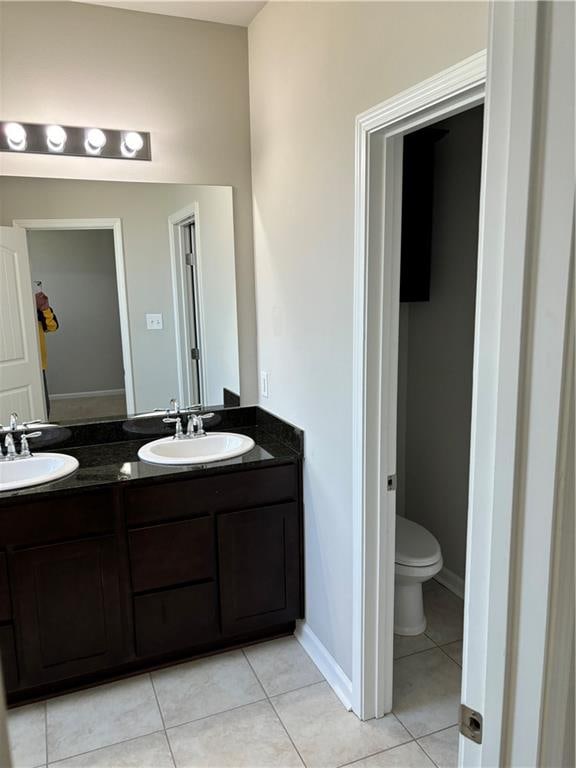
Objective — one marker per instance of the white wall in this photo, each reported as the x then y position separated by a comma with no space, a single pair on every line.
185,81
313,68
78,274
144,210
438,347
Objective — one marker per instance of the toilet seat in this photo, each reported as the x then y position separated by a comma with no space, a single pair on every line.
415,546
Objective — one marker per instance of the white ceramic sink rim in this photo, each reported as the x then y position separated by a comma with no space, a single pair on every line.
35,470
214,446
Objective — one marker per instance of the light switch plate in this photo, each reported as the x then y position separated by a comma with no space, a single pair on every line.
154,322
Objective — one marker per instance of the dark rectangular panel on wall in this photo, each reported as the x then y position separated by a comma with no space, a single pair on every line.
417,211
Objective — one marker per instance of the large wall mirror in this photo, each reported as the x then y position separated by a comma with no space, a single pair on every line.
141,280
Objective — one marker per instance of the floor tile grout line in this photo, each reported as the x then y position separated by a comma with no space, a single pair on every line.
427,755
433,733
374,754
214,714
46,728
285,727
441,648
162,719
269,700
105,746
260,683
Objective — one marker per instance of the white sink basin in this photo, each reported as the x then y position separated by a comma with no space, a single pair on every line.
214,446
34,470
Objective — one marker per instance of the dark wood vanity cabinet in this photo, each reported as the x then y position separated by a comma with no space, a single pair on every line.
259,567
146,574
68,609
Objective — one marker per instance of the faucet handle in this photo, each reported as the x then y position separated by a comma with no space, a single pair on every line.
10,447
24,447
197,421
178,421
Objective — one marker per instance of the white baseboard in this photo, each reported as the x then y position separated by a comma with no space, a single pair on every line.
451,581
94,393
335,677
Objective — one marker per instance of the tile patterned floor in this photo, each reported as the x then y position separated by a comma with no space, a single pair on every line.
261,707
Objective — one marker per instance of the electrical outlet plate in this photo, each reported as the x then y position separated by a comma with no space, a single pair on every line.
154,322
264,383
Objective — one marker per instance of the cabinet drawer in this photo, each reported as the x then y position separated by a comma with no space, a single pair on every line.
175,619
166,555
5,603
216,493
48,520
8,655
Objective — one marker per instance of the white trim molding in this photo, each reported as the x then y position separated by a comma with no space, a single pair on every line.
328,666
116,226
183,303
451,581
375,347
93,393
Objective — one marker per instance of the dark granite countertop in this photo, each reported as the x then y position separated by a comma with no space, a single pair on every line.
114,460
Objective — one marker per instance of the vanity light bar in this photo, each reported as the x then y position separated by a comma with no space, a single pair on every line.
52,139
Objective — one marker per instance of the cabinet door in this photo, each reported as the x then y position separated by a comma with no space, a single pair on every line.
67,605
259,565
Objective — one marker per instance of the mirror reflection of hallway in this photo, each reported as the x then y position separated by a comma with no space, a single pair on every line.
84,369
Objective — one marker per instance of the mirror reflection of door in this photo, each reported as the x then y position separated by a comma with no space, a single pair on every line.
188,234
163,303
74,282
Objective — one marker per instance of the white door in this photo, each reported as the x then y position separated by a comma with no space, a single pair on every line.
21,387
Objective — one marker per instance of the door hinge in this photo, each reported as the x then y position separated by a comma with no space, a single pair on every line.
391,483
190,259
471,724
195,352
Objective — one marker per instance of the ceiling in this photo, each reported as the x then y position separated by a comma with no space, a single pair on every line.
238,12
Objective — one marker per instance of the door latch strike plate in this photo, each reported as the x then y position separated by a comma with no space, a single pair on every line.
391,482
471,724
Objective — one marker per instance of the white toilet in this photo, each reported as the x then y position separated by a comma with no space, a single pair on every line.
418,559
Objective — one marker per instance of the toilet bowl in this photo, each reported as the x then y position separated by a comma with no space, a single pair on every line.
418,559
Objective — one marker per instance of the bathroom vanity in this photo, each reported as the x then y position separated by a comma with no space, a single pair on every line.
125,566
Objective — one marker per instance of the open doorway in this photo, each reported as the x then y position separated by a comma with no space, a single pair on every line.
74,282
76,269
439,247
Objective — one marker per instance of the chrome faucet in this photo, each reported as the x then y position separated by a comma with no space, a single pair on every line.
10,448
196,424
15,428
174,409
179,434
11,452
25,451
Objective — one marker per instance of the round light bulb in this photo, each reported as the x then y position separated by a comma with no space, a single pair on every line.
95,140
56,137
132,143
16,135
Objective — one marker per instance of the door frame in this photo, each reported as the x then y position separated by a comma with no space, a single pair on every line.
517,453
180,292
116,226
378,179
